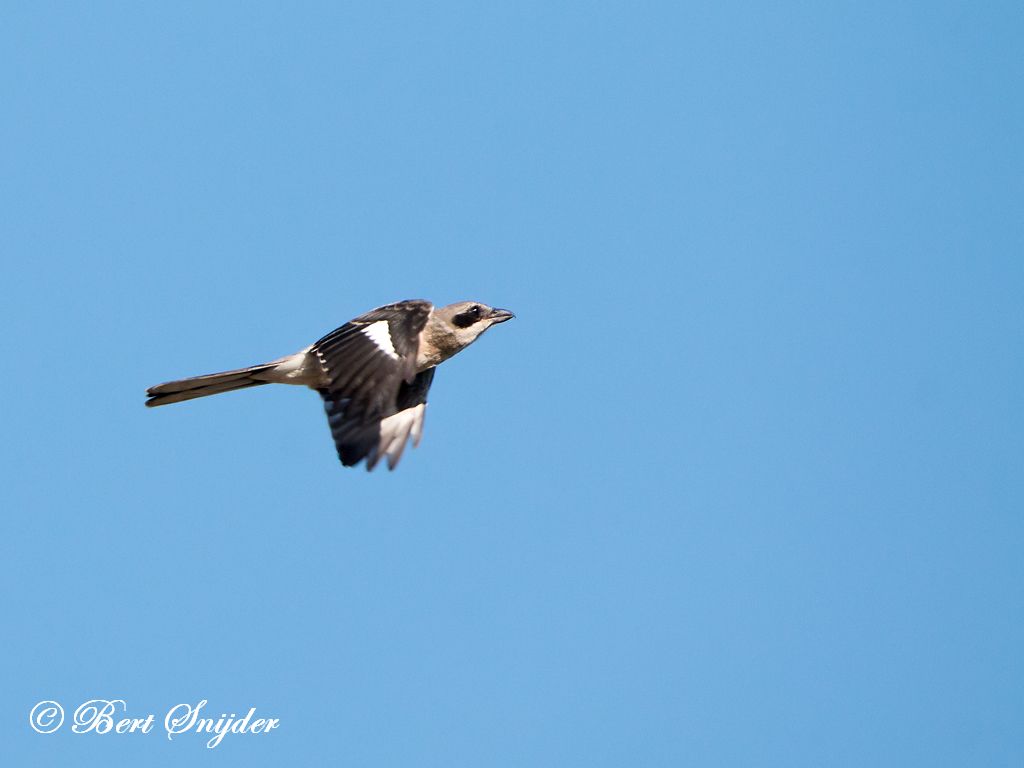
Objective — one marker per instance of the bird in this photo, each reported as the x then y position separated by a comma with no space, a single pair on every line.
373,374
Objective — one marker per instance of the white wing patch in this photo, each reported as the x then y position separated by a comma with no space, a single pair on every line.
395,431
380,334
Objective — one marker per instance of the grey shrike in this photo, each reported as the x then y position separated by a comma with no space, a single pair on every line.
373,373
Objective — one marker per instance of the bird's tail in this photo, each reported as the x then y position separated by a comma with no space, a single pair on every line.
210,384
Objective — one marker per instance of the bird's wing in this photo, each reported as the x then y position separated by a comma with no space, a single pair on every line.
370,365
406,421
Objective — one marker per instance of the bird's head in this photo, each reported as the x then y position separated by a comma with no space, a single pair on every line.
466,320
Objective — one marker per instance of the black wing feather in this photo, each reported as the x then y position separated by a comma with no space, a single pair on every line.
366,384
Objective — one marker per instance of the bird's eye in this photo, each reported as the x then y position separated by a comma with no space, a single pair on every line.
467,318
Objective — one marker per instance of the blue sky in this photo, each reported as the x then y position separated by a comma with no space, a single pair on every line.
741,485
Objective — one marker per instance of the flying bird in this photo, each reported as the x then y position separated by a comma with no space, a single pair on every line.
373,374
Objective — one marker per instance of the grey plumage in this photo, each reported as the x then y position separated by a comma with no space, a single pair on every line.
373,374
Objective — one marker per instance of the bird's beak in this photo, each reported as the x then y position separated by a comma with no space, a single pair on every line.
499,316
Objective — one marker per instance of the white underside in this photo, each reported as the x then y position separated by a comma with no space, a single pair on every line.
300,368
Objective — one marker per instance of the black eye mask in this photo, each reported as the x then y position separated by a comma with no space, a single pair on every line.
467,318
